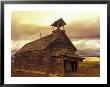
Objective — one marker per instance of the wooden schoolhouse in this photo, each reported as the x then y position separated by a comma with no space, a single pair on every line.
52,54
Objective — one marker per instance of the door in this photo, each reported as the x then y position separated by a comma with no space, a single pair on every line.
67,66
74,65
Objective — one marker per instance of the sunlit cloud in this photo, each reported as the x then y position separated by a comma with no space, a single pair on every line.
91,45
16,45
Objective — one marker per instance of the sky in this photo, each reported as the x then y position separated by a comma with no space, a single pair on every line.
82,27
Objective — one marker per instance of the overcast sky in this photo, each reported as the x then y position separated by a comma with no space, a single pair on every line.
82,27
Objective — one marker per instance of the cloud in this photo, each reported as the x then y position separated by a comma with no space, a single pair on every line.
84,29
16,45
28,25
28,32
88,47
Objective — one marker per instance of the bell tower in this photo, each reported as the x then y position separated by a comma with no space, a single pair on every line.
58,23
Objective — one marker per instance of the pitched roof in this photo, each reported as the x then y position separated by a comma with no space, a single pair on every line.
44,42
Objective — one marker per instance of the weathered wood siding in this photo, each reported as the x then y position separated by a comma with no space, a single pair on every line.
56,66
36,60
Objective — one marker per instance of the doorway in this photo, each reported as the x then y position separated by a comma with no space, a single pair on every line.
70,66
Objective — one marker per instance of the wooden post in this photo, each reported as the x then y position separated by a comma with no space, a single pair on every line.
40,35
